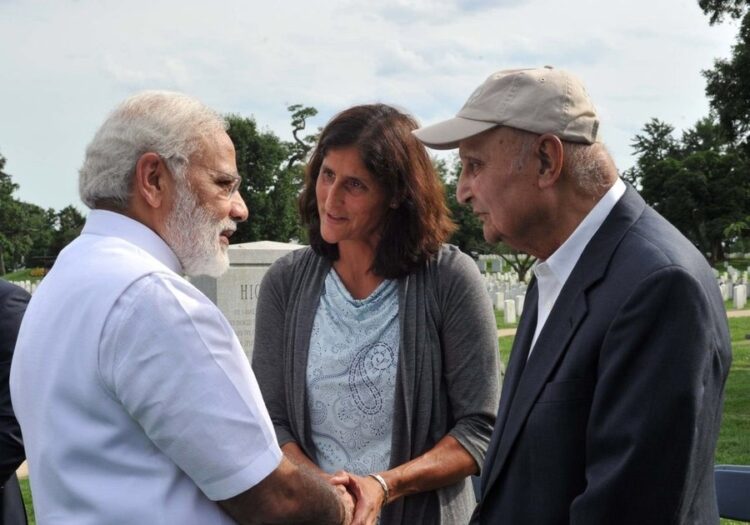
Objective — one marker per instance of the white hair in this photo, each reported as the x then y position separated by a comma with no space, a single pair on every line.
193,234
170,124
590,166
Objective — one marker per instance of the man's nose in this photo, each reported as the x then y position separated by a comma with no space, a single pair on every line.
239,209
463,192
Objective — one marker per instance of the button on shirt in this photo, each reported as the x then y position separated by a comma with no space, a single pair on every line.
552,273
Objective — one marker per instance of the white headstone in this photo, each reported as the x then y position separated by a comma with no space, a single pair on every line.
236,292
519,304
740,296
724,289
510,311
500,300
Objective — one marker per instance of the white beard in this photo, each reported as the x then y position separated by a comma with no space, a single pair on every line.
193,235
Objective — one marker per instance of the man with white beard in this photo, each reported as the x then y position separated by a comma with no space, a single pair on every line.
135,400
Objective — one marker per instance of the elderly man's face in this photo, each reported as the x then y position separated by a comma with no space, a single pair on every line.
498,180
206,211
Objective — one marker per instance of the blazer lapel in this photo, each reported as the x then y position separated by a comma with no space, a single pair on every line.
567,314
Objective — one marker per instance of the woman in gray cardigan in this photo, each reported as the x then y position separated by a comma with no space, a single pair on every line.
376,348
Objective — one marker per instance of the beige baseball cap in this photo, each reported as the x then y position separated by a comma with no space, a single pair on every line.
543,100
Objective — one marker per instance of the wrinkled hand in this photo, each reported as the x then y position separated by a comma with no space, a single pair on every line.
369,496
348,502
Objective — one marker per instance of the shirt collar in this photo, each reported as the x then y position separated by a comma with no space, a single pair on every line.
111,224
564,259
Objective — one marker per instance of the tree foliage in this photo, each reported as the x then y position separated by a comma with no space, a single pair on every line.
272,172
11,221
698,183
728,88
717,10
29,234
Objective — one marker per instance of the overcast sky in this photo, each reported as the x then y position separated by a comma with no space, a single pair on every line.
65,64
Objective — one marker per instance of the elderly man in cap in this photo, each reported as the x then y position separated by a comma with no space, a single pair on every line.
134,396
612,399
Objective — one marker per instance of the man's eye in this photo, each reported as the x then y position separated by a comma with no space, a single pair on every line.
229,186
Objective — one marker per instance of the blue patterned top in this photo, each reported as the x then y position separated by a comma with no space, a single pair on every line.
351,377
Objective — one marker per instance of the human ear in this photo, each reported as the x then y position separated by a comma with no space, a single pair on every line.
150,179
550,152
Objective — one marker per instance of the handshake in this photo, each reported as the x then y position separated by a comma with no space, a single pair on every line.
362,497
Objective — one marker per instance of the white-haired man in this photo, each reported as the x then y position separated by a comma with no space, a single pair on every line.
136,402
611,404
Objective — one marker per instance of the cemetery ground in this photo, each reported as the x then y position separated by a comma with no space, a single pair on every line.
734,440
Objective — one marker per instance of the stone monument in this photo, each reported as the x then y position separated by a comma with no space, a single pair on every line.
236,292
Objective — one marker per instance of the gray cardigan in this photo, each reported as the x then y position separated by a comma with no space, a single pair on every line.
447,378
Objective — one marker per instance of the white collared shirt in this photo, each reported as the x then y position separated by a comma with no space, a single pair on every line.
136,401
552,273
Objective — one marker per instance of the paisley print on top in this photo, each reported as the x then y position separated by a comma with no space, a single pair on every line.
351,377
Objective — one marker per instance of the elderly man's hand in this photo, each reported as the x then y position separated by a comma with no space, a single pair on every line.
347,501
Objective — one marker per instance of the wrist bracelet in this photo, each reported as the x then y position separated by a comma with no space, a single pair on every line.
383,485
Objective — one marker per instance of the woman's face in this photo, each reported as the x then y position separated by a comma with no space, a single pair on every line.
351,203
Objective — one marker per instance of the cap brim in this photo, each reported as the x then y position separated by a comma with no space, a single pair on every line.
447,134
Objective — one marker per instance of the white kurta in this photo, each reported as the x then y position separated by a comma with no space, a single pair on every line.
136,402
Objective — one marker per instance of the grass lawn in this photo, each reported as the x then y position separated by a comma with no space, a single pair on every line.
21,275
26,491
734,438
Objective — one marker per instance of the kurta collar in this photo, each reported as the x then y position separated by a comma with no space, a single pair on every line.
112,224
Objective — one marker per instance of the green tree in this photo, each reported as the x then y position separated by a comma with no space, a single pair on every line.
39,235
272,172
728,88
11,222
301,146
718,9
68,224
698,183
29,234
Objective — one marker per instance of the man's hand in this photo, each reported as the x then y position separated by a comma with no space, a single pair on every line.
291,494
347,501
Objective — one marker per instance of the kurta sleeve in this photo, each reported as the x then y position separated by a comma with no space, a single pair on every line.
189,388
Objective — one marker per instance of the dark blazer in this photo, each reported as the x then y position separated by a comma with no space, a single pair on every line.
13,302
614,417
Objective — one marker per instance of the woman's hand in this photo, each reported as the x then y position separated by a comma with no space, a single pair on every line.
369,496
